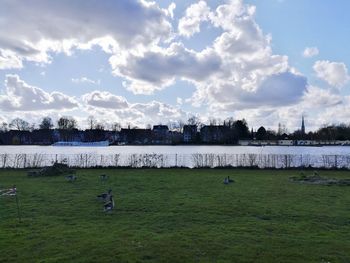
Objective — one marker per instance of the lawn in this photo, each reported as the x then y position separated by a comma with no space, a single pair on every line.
175,215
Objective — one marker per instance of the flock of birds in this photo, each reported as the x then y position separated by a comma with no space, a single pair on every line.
106,197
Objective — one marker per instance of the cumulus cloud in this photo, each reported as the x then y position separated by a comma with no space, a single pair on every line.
251,75
237,73
195,14
104,99
276,90
118,108
38,27
239,60
9,60
157,69
86,80
341,111
170,10
315,97
310,52
232,72
334,73
19,96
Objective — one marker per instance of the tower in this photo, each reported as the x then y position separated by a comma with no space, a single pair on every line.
302,125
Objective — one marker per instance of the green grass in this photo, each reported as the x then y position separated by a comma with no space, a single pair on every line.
175,215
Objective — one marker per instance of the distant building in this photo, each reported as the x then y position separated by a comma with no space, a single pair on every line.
161,134
213,133
175,137
135,136
161,129
43,137
189,133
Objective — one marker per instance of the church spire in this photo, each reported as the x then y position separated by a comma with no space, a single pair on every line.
302,125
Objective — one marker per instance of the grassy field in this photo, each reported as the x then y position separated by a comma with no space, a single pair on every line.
175,215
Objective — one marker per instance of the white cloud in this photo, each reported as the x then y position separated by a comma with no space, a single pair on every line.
38,27
310,52
318,98
179,100
251,76
237,73
240,60
159,68
9,60
119,109
194,16
158,110
334,73
104,99
170,10
275,91
19,96
86,80
229,74
319,105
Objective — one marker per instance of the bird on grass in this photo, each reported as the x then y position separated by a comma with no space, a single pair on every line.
227,180
105,196
9,192
71,178
109,205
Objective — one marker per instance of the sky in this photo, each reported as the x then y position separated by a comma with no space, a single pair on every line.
154,62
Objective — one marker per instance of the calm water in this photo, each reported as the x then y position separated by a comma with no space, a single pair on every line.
326,150
176,156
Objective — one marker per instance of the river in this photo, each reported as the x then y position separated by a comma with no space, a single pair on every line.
179,156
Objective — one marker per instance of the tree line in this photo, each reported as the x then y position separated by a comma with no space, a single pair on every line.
228,131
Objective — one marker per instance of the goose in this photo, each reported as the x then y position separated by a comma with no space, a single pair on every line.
105,196
10,192
71,178
109,205
226,180
230,180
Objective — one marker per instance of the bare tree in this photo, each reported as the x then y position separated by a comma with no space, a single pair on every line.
213,121
67,123
99,126
46,123
4,127
91,122
193,120
116,126
20,124
181,125
229,122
